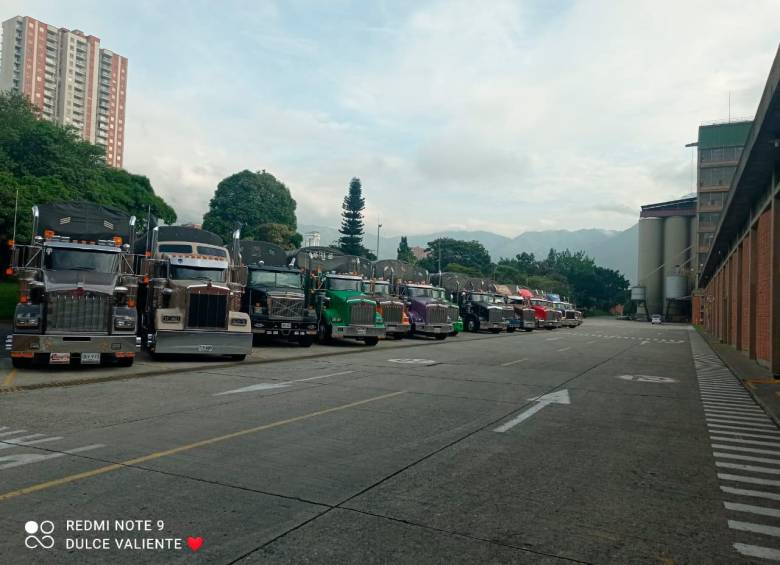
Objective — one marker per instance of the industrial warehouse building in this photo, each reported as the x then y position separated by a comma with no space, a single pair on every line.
667,238
739,299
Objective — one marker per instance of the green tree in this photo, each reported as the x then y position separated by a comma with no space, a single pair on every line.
405,252
254,201
280,234
352,226
471,254
46,162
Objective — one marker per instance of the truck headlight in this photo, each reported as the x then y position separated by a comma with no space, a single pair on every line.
124,323
237,321
28,320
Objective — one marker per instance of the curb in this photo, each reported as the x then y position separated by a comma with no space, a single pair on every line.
157,373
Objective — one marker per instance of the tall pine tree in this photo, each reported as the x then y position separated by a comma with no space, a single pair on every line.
405,252
351,240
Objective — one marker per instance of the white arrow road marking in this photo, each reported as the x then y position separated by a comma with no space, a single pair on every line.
268,386
557,397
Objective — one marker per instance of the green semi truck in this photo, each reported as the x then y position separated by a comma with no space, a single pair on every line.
334,287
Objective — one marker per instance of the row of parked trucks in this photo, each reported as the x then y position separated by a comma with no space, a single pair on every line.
93,292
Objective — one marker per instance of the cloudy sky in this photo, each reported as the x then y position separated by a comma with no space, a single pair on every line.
502,116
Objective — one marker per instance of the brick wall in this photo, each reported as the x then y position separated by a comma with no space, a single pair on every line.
733,298
745,274
763,285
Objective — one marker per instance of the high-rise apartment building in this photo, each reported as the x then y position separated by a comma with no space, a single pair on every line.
719,150
69,78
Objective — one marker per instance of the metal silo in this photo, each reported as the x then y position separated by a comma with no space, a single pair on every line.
693,237
676,234
650,275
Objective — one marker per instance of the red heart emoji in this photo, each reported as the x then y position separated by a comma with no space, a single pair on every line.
194,543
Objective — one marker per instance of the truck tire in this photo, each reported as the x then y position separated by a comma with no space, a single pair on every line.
239,357
371,341
495,330
510,330
125,362
529,329
305,341
324,332
472,325
440,337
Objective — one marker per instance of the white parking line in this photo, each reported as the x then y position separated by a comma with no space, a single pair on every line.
756,528
9,443
514,362
758,551
564,348
760,510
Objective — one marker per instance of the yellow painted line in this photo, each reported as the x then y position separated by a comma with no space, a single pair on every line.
9,378
763,381
202,443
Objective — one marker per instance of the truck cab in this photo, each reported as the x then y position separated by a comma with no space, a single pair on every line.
546,316
479,312
523,312
454,311
274,298
191,295
429,315
77,288
508,313
344,311
392,308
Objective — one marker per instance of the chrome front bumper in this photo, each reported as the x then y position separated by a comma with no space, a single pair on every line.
77,343
357,331
397,328
200,342
433,329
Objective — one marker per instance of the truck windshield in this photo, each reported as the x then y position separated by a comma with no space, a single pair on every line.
499,300
180,272
438,293
56,259
274,279
382,289
414,292
344,284
481,298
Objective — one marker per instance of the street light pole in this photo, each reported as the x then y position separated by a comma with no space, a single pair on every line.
378,225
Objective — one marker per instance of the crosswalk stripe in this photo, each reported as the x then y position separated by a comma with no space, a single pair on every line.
740,430
761,510
752,420
738,410
751,480
748,468
758,551
753,493
745,449
755,528
723,455
746,441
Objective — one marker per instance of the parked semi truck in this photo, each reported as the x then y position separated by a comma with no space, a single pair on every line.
524,314
190,295
454,311
391,306
76,288
429,314
334,287
477,304
274,296
546,316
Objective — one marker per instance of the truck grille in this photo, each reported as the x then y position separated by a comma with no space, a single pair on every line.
85,313
286,308
495,315
529,314
508,313
549,315
454,313
362,313
392,312
436,314
570,315
207,310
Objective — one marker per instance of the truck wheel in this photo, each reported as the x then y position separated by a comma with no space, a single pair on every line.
305,341
495,330
440,337
472,325
239,357
21,363
125,362
371,341
324,332
529,329
510,330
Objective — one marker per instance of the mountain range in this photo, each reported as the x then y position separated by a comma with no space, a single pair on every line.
614,249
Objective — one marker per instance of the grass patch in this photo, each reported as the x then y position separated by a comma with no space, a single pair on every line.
9,294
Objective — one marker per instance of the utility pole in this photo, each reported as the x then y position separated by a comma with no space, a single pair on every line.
378,226
440,242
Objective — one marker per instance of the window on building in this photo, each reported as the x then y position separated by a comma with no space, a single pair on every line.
716,176
709,218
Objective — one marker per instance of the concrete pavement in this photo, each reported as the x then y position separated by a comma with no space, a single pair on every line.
460,451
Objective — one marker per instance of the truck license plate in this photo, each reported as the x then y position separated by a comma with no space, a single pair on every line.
361,331
436,330
205,348
90,358
59,358
286,325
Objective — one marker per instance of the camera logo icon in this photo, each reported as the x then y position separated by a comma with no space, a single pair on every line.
39,534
